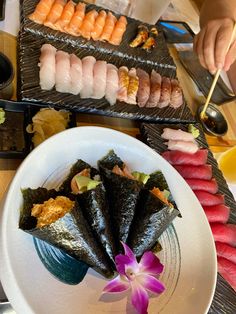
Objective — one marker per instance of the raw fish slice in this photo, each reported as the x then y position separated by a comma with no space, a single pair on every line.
66,16
165,92
99,79
108,27
55,13
210,186
179,158
76,20
87,66
87,26
123,74
133,87
47,72
63,79
217,213
75,74
208,199
226,251
227,269
203,172
41,11
155,89
176,98
118,32
112,85
182,146
144,87
224,233
173,134
99,25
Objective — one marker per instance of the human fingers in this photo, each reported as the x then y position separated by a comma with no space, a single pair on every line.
230,57
198,46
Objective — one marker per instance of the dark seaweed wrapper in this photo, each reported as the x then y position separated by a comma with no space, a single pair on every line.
151,219
123,194
70,233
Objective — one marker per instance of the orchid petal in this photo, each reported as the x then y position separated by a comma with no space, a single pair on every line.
151,283
116,285
150,264
139,298
129,252
121,262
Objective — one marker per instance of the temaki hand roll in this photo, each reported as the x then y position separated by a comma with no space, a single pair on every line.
122,192
154,214
59,221
84,182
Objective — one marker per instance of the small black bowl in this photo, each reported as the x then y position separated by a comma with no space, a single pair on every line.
6,77
215,123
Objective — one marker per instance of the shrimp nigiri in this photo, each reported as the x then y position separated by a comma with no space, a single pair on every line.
41,11
88,24
118,31
99,25
76,20
108,27
66,16
55,13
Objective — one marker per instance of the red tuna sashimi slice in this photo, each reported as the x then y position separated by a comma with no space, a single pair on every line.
210,186
208,199
227,269
217,213
226,251
203,172
176,157
224,233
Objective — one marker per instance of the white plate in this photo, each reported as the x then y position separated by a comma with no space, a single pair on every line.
188,247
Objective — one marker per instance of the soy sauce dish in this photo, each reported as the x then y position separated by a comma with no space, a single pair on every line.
215,123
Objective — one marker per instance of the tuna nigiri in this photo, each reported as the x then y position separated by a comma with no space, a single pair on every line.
123,73
176,98
75,74
41,11
182,146
76,20
226,251
63,79
133,87
108,27
47,73
118,32
88,24
155,89
224,233
180,158
87,67
203,172
99,79
65,17
112,85
210,186
227,269
144,87
176,134
99,25
208,199
55,13
165,92
217,213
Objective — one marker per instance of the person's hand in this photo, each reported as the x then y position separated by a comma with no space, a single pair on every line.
211,45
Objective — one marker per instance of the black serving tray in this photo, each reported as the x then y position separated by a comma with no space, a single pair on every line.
29,89
225,298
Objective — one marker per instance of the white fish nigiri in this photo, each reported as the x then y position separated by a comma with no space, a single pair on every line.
112,85
99,79
75,74
183,146
87,67
177,135
63,79
47,64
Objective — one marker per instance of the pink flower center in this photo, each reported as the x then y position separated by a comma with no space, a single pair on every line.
130,274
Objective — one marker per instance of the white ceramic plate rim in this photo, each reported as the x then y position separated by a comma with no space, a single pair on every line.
193,293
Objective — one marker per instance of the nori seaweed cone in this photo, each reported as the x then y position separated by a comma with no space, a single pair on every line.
94,206
122,193
70,233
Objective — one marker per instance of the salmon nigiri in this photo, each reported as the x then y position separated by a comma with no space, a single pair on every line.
99,25
77,20
88,24
108,27
55,13
118,31
41,11
66,16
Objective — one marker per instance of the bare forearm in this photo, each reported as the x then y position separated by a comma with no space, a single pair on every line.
215,9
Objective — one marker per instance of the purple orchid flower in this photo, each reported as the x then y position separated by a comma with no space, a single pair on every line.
139,277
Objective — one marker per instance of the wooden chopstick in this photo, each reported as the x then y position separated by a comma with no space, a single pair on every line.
203,113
